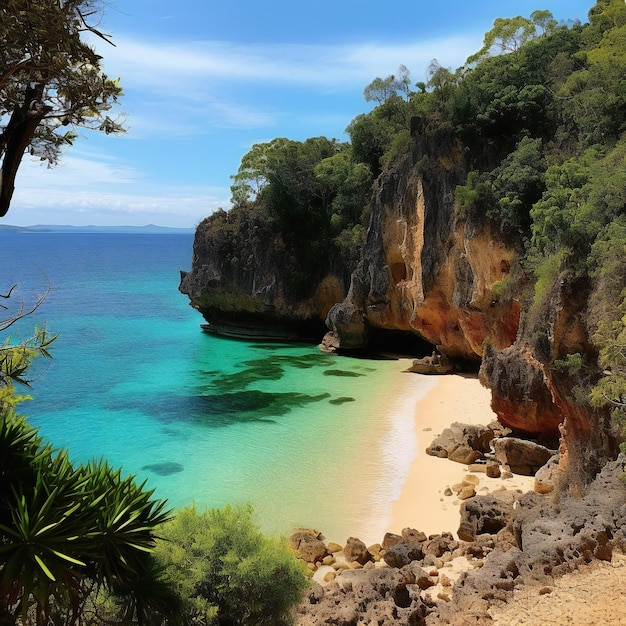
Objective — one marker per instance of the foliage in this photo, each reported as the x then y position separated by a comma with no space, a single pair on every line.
315,197
381,89
51,82
227,571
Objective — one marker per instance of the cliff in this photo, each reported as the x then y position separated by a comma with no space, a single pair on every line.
241,282
494,202
424,270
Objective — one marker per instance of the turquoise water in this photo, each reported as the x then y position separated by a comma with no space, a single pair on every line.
306,437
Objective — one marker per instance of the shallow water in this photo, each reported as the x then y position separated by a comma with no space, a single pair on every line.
306,437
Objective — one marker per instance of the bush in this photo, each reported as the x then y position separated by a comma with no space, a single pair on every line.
227,571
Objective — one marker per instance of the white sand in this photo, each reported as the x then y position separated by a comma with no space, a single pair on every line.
422,503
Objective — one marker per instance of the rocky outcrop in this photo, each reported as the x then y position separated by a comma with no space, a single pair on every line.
435,364
425,270
507,540
535,391
463,443
241,282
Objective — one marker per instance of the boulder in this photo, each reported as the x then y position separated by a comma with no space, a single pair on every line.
410,534
521,455
438,545
485,514
391,539
463,443
404,553
435,364
549,476
356,550
309,548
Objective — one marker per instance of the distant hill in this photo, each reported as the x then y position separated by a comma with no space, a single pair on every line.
151,229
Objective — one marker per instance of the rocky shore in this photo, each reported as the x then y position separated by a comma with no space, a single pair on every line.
509,544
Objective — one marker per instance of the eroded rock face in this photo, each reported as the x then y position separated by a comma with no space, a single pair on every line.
240,283
424,269
533,393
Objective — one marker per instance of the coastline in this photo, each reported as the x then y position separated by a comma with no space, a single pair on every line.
422,504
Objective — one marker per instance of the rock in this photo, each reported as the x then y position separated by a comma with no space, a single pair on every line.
437,546
375,596
520,455
309,547
548,476
333,547
466,492
448,492
463,443
470,479
434,364
484,514
374,550
391,539
404,553
356,551
493,470
410,534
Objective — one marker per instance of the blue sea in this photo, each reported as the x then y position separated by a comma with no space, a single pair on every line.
307,438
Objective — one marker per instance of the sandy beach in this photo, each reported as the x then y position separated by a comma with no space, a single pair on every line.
422,503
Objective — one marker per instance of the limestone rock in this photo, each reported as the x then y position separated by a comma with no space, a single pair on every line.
485,514
404,553
463,443
435,364
493,470
356,550
391,539
410,534
549,476
520,455
308,546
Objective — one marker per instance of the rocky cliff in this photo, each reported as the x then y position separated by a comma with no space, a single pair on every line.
427,272
240,282
424,270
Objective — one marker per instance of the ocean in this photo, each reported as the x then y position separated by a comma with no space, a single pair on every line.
307,438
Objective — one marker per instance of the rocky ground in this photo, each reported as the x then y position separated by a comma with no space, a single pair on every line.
593,595
533,558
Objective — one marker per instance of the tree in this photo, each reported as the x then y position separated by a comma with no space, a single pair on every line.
51,82
227,571
381,89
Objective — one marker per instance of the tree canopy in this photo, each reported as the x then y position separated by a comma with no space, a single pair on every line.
51,82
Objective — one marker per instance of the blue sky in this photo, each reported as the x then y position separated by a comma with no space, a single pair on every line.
203,81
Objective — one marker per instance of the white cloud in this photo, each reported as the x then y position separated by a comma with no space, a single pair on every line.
185,88
158,66
88,190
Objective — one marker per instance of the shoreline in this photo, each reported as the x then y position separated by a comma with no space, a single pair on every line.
422,504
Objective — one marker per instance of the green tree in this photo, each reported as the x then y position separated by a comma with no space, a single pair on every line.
51,82
508,35
227,571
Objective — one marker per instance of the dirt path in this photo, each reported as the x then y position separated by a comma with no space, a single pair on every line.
592,596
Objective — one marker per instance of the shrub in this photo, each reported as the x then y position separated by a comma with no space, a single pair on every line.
227,571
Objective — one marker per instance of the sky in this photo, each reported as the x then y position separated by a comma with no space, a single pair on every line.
204,80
